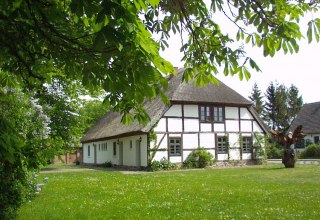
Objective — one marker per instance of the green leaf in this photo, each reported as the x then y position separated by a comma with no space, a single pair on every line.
85,21
284,47
247,74
248,38
278,44
16,4
309,32
153,3
99,41
127,118
226,69
164,66
240,74
254,65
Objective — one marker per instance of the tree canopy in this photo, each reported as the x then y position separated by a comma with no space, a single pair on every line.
281,106
108,44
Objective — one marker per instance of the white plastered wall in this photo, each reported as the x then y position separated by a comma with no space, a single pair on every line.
246,126
218,127
206,127
207,140
190,141
191,125
86,157
174,124
163,146
129,153
245,114
191,111
232,125
161,126
174,111
231,113
234,151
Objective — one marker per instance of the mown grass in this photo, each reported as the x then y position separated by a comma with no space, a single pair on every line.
62,166
270,192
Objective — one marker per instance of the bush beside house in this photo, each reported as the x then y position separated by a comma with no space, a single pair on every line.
198,158
312,151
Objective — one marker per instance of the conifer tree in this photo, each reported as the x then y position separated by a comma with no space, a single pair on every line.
256,98
281,108
295,103
269,112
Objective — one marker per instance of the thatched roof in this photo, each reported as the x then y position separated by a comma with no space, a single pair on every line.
222,94
309,118
110,125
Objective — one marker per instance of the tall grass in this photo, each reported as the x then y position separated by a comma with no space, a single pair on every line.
269,192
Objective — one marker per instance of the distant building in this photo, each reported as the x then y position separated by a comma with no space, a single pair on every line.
309,118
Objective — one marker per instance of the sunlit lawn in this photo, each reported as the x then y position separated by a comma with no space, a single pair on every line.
270,192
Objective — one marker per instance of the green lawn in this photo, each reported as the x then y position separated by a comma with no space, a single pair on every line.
270,192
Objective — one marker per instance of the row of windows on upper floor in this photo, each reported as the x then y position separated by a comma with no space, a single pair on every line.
210,113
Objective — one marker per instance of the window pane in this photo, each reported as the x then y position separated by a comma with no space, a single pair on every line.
218,114
174,146
222,145
208,114
202,113
246,144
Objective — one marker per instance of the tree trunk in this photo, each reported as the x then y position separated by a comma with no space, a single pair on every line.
289,158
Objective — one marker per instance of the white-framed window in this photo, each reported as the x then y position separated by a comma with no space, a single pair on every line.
175,146
222,144
246,144
104,147
88,150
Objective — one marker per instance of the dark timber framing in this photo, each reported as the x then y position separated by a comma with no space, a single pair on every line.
216,133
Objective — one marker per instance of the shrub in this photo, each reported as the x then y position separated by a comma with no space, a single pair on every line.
198,158
312,151
163,164
16,187
107,164
274,151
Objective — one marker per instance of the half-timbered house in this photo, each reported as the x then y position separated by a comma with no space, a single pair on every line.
214,117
